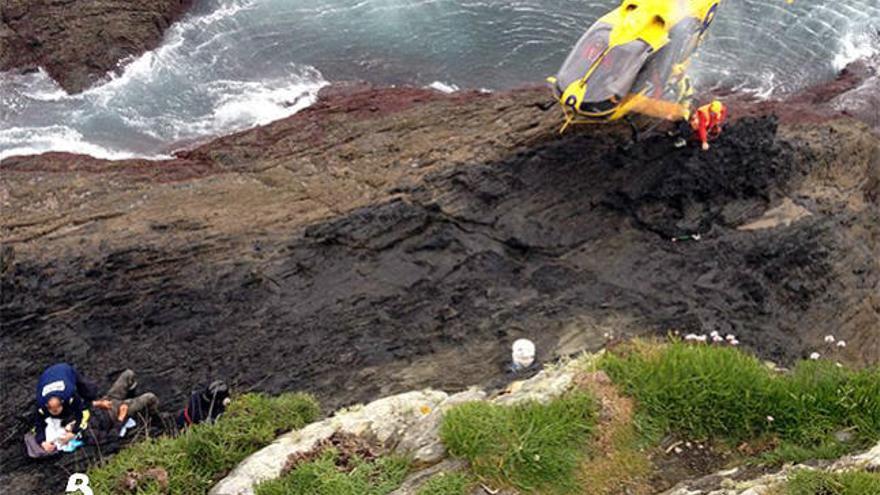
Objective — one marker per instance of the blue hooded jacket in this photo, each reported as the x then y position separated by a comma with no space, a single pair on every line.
61,380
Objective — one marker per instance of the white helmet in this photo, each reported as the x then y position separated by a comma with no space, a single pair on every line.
523,353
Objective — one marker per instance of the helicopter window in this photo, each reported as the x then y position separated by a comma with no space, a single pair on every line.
617,72
585,53
659,21
631,7
593,50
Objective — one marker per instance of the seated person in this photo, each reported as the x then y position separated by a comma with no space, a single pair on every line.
205,404
109,416
62,397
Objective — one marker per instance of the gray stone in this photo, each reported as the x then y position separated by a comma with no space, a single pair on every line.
870,460
268,463
384,420
422,440
543,387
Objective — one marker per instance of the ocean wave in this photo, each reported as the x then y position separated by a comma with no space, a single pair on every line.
172,94
36,140
443,87
862,43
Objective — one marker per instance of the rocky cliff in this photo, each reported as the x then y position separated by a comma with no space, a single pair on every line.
79,42
390,239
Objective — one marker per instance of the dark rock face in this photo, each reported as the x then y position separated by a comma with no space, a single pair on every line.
384,240
78,42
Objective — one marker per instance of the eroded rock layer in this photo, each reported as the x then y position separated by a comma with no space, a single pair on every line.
391,239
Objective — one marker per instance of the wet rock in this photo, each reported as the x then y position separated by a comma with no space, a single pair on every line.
77,43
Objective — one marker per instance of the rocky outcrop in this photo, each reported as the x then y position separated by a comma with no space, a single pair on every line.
738,482
386,240
79,42
406,424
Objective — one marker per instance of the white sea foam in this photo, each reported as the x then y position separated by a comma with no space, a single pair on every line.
443,87
857,44
164,96
243,104
56,138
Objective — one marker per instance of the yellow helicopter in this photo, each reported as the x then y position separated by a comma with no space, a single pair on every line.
633,60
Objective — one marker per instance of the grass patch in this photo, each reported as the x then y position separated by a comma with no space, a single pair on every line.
324,476
447,484
618,462
528,446
623,468
805,482
711,392
204,453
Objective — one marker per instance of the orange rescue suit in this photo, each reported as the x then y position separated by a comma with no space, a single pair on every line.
707,120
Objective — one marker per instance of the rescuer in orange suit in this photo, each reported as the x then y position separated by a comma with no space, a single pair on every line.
707,121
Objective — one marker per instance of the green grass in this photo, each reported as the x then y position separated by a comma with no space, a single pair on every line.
204,453
447,484
322,476
531,447
805,482
709,392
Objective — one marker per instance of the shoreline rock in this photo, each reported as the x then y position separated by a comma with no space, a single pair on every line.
78,43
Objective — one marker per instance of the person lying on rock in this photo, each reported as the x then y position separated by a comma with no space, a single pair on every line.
119,405
205,404
105,429
62,397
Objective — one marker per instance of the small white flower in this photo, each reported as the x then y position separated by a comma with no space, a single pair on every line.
814,356
770,419
717,338
829,339
714,334
734,342
838,365
701,338
841,343
690,336
730,336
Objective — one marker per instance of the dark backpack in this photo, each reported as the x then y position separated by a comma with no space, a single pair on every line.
205,404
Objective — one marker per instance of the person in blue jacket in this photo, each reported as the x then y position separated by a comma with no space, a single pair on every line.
63,394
